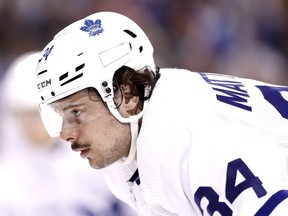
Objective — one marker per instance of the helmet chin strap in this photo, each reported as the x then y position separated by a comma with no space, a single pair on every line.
134,126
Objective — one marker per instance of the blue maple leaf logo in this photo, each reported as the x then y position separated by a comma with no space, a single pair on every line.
94,28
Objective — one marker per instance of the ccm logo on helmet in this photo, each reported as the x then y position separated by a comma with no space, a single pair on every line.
44,84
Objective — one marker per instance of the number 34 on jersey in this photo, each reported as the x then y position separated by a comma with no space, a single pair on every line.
232,191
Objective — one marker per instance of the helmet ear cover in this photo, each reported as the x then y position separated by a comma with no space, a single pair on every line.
141,84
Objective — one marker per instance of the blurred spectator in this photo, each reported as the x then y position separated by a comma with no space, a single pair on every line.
32,184
198,35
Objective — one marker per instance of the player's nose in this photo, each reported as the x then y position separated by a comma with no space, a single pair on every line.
69,135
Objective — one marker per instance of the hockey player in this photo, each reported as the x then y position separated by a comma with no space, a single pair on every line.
170,141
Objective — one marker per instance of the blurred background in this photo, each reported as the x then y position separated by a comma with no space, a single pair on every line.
247,38
241,37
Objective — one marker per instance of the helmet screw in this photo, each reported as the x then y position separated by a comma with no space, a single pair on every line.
108,90
104,84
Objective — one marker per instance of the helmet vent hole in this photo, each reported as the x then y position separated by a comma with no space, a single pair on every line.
80,54
53,93
140,49
130,33
72,79
79,67
63,76
41,72
42,98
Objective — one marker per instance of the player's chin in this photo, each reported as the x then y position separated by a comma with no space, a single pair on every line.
96,164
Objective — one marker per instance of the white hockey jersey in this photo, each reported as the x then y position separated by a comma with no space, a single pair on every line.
209,144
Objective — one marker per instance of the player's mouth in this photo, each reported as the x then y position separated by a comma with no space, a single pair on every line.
83,149
84,153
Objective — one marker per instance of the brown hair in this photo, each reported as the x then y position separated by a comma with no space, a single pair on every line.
140,82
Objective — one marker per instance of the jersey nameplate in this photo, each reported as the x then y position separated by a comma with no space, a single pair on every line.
232,92
228,90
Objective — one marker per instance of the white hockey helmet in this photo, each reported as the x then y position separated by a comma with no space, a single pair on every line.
86,54
18,93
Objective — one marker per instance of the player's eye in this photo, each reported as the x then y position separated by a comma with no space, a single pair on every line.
76,113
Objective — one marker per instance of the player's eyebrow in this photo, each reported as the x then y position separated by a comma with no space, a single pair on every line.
71,106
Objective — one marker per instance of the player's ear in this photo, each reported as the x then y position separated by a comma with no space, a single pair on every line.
129,102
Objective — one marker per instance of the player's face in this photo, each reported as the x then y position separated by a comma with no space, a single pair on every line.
92,130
